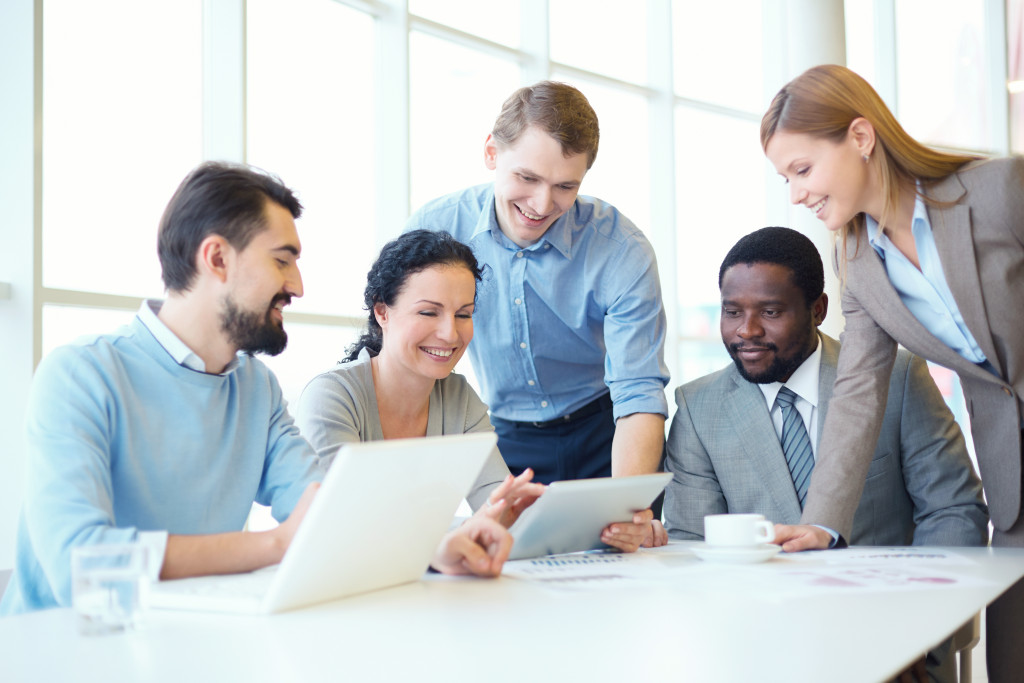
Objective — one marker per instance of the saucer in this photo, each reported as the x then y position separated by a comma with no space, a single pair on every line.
740,555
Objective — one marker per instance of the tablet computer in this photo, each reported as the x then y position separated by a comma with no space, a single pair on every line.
571,514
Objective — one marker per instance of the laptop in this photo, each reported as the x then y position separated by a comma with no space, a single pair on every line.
376,522
570,516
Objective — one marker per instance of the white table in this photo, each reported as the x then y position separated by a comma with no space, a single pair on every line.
696,622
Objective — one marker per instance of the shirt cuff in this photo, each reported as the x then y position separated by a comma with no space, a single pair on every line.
621,410
630,402
156,545
834,534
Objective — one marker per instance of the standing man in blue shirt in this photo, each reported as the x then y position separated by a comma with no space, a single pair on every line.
570,325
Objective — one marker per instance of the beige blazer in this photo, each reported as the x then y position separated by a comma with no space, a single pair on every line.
980,240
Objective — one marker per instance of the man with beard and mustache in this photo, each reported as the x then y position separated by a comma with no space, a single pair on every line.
724,445
166,431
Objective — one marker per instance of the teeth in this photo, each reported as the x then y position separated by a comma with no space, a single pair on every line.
440,353
816,207
529,215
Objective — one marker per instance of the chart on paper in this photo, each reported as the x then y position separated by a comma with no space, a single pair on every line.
589,569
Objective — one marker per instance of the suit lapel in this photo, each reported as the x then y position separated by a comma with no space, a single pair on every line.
826,379
748,413
955,244
868,280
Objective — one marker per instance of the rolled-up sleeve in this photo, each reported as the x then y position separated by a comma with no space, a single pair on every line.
634,333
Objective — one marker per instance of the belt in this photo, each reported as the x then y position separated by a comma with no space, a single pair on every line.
603,402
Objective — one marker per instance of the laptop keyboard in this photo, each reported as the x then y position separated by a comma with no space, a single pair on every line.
218,592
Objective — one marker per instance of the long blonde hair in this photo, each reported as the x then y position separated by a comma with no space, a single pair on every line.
823,101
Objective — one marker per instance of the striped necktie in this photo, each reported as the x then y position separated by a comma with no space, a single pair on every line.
795,444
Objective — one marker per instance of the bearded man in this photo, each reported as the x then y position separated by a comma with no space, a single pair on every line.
744,438
165,432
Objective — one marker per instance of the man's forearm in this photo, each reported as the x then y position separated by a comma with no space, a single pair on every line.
228,553
233,552
638,444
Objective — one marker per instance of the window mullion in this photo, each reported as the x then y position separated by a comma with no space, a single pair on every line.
224,80
393,161
534,39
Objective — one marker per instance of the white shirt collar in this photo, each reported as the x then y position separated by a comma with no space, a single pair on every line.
178,350
803,382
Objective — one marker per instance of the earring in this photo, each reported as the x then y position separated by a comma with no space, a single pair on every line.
865,157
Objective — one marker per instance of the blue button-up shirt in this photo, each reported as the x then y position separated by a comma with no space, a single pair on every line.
925,292
562,321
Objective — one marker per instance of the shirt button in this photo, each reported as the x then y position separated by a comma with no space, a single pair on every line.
518,301
519,254
1007,391
543,404
522,345
547,246
530,382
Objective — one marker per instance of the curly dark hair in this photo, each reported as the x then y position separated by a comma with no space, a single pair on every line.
784,247
410,253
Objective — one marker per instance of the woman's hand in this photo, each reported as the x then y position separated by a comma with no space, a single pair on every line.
518,493
480,546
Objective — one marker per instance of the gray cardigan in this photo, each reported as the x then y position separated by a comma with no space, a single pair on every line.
340,406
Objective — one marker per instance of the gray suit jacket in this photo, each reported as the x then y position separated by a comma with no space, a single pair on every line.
980,239
725,456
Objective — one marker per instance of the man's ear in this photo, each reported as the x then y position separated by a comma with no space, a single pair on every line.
215,256
490,153
819,309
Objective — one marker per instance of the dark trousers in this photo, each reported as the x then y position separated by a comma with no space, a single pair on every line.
1004,635
580,449
1004,618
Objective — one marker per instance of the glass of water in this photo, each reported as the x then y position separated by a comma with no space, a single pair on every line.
109,586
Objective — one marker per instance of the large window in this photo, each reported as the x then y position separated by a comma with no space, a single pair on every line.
605,37
942,93
309,80
455,94
720,181
119,133
309,77
369,108
123,120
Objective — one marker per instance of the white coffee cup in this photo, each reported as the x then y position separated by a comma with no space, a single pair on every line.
737,530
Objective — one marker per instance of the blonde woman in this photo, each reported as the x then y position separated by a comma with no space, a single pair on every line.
930,251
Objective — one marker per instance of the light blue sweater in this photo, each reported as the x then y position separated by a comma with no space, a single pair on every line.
122,440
